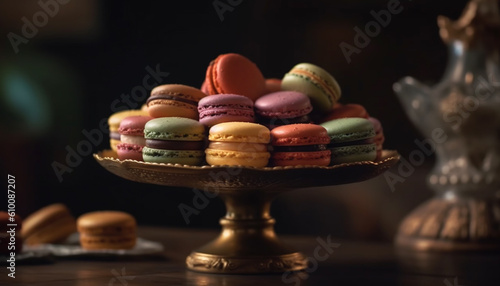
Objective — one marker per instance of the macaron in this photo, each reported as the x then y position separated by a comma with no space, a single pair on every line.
345,110
235,74
218,108
238,143
300,144
379,135
272,85
132,137
352,140
114,124
316,82
107,230
50,224
175,140
10,241
174,100
283,107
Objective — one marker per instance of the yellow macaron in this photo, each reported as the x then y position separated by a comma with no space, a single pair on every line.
238,143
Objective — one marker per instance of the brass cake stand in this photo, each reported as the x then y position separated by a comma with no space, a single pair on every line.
247,243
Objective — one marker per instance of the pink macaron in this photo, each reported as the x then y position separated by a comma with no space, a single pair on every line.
282,108
218,108
132,137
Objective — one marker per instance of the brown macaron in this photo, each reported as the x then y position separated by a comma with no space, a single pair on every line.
107,230
50,224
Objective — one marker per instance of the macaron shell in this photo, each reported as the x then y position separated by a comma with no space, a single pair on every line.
347,110
105,222
299,134
129,151
316,158
314,81
283,104
183,157
174,128
239,132
354,153
272,85
133,125
116,118
234,73
349,129
237,158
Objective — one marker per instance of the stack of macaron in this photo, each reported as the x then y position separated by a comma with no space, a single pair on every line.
238,115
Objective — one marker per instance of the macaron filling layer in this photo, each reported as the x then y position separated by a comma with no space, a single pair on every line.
221,111
114,135
238,146
149,134
305,148
177,97
131,139
174,145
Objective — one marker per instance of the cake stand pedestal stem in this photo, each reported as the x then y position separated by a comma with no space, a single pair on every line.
247,243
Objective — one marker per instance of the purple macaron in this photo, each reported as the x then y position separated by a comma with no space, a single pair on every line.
218,108
282,108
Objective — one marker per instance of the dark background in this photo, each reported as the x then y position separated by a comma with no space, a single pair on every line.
91,52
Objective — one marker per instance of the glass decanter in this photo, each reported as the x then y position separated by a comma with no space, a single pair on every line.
460,119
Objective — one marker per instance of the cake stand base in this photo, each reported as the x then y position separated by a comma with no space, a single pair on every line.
247,243
451,225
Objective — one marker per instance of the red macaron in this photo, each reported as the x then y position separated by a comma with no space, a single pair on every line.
300,144
132,137
344,111
273,85
235,74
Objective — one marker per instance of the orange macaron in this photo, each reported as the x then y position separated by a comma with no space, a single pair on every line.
107,230
50,224
234,74
174,100
344,111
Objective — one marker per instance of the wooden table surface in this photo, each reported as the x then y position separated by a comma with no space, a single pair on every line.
352,263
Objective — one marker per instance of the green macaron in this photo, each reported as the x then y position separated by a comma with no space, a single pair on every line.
351,140
317,83
175,140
